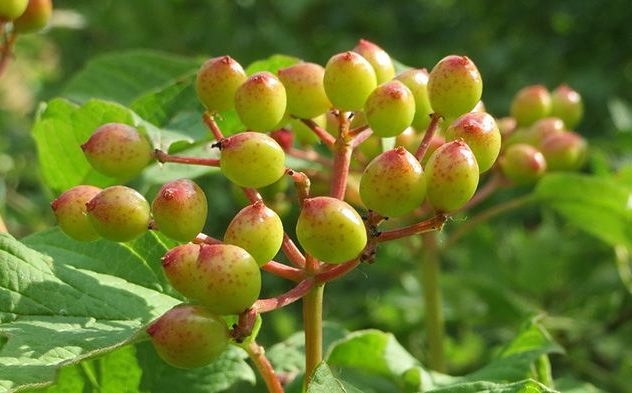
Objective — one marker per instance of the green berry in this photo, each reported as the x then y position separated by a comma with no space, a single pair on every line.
393,184
258,230
119,213
452,176
304,135
261,101
11,9
35,17
371,147
118,150
409,139
564,151
542,128
189,336
435,142
251,159
454,86
417,81
522,164
180,209
229,279
217,81
378,58
349,79
530,104
70,211
480,132
567,104
330,230
390,109
306,97
180,267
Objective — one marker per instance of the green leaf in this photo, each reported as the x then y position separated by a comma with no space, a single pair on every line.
323,381
60,310
527,386
125,76
271,64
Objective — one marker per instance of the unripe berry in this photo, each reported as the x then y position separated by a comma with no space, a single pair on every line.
119,213
180,267
284,137
35,17
393,184
371,148
522,164
349,79
480,132
217,81
390,109
454,86
378,58
189,336
70,211
452,176
258,230
567,104
180,209
409,139
118,150
306,97
565,151
11,9
530,104
330,230
261,101
542,128
251,159
229,279
417,81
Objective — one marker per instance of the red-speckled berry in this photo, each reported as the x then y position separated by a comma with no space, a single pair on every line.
180,209
261,101
564,151
35,17
118,150
480,132
306,97
378,58
393,184
417,81
542,128
70,211
390,109
258,230
251,159
180,267
349,79
119,213
330,230
11,9
452,176
567,104
217,81
522,164
189,336
454,86
530,104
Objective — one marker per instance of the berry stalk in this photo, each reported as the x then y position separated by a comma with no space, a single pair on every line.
209,120
163,157
321,133
258,357
6,50
430,131
292,252
430,225
284,271
289,297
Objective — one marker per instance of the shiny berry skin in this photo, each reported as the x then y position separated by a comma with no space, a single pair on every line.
530,104
119,213
261,101
454,86
390,109
258,230
565,151
217,81
567,104
417,81
349,79
229,279
378,58
180,209
11,9
189,336
70,211
522,164
480,132
180,267
252,159
452,176
35,17
118,150
330,230
393,184
306,97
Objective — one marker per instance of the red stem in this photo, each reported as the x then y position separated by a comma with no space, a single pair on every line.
361,137
294,294
302,184
209,120
292,252
337,271
320,132
6,51
163,157
258,357
284,271
205,239
429,225
430,131
358,130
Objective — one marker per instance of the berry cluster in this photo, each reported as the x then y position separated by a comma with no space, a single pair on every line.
444,142
26,16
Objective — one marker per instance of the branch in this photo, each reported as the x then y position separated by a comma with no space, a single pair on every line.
430,131
284,271
292,252
209,120
355,131
432,224
163,157
289,297
320,132
361,137
340,173
337,271
302,184
258,357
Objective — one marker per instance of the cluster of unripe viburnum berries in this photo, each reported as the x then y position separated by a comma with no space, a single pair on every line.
25,16
355,101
